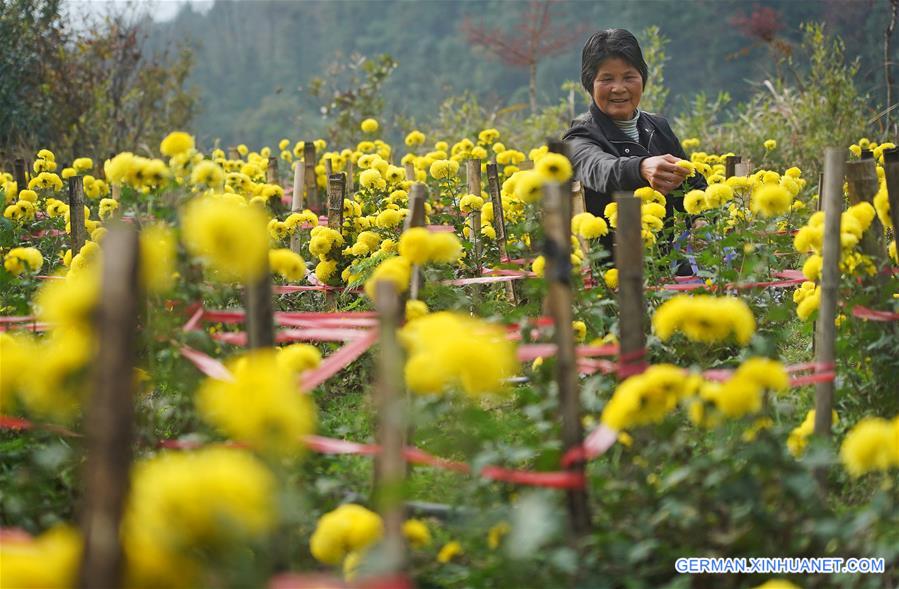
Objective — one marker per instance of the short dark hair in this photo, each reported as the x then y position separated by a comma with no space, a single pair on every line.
610,43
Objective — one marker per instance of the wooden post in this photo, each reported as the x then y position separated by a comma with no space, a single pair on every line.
110,414
260,318
473,174
390,468
866,154
21,175
233,154
557,252
730,165
271,172
825,328
299,175
742,168
629,261
336,188
416,218
297,202
418,195
328,167
891,175
76,213
578,203
350,179
312,200
861,178
499,223
410,172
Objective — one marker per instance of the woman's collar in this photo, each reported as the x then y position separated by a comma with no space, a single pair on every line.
608,126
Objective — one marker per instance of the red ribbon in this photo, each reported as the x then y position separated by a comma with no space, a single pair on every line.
319,581
873,314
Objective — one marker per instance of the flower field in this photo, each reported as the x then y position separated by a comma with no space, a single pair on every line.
421,365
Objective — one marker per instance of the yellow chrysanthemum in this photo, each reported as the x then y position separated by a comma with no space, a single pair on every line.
232,239
260,405
176,143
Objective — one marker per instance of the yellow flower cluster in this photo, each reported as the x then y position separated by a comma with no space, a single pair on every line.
186,503
798,438
45,181
176,143
140,173
287,263
448,349
588,226
58,388
739,395
705,318
420,246
395,269
158,258
261,405
415,138
369,126
298,358
807,298
49,560
231,238
20,259
871,445
346,530
648,397
854,222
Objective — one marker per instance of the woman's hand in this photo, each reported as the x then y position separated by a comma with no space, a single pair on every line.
662,172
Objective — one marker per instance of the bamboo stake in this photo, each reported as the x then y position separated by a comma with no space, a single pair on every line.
271,172
336,188
110,413
350,179
233,154
312,200
862,181
825,328
390,468
260,317
557,252
328,167
578,204
629,261
891,175
20,174
499,222
410,172
730,165
76,214
297,203
416,218
418,195
473,176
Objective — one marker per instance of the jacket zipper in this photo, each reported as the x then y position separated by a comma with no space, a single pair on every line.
648,141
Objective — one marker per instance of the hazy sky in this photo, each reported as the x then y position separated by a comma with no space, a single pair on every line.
159,9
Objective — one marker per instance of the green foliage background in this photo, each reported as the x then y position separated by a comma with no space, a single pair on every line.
256,60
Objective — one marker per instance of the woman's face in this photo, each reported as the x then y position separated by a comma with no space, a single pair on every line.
617,88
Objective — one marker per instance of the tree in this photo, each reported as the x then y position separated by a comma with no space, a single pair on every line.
888,60
86,93
534,39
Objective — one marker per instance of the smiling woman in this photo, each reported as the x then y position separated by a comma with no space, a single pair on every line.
616,146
